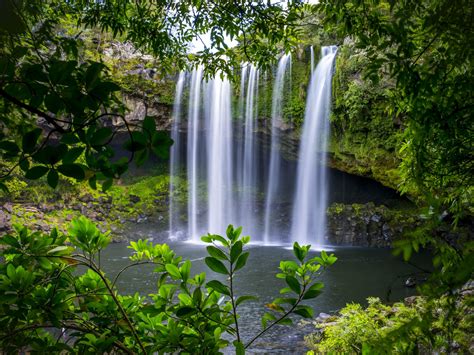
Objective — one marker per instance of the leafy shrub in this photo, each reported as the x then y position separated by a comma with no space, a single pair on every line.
55,297
379,328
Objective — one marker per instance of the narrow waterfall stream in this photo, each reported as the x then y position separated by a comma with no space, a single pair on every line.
174,155
192,147
274,170
248,174
310,203
219,156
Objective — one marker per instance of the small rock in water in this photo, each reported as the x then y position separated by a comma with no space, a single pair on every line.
410,282
322,317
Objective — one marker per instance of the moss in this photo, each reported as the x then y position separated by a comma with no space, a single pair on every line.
365,136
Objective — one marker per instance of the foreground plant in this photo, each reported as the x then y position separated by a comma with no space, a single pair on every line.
56,297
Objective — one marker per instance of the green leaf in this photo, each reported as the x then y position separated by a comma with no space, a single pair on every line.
298,251
53,178
36,172
107,184
185,311
72,155
141,157
239,348
267,317
101,137
51,154
241,261
293,283
30,139
219,287
149,125
285,321
136,142
304,311
92,74
72,170
53,103
173,271
245,298
59,250
235,251
24,164
9,147
69,138
185,270
216,265
216,253
313,291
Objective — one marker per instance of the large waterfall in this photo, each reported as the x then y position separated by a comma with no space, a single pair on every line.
232,161
309,208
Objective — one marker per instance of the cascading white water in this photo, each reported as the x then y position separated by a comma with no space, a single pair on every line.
239,129
249,165
274,170
192,150
174,153
226,160
312,59
310,203
219,170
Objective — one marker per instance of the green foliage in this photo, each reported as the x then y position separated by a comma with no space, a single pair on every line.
48,73
425,47
380,329
47,287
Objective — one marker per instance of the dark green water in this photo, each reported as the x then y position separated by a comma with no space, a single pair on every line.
358,274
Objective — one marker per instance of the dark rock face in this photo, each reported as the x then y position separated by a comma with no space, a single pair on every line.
368,225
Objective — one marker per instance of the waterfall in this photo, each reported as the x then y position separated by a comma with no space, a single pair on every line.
310,203
229,164
174,154
274,170
249,164
192,150
239,130
219,155
311,49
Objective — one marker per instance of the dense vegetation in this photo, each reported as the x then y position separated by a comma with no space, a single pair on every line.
402,114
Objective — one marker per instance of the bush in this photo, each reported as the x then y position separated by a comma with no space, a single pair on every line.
55,297
379,328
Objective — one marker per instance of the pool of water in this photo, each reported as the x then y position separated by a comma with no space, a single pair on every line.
358,274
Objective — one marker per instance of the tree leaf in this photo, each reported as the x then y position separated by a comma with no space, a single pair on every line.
314,291
72,170
245,298
235,251
239,348
216,253
36,172
304,311
72,155
101,137
53,178
241,261
293,283
216,265
149,126
30,139
185,311
173,271
219,287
